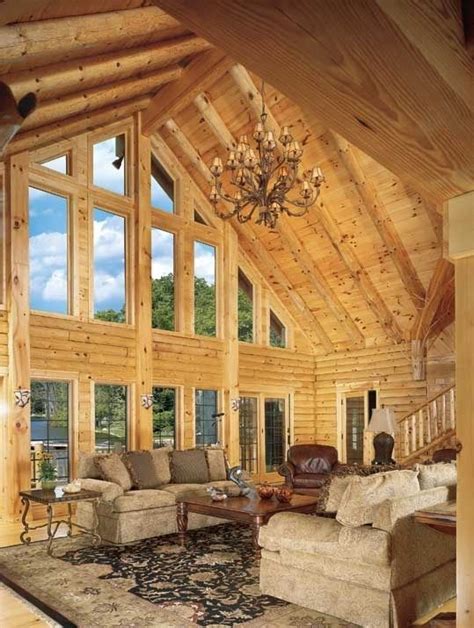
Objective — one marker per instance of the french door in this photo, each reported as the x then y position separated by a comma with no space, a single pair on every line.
355,410
264,433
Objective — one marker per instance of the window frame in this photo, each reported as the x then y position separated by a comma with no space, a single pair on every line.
284,322
220,428
155,224
178,399
176,184
218,284
241,270
112,131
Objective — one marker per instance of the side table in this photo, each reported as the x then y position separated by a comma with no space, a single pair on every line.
58,496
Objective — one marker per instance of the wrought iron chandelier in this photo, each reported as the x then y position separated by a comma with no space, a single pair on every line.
264,176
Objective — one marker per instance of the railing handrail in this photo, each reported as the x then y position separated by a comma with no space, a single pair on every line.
427,403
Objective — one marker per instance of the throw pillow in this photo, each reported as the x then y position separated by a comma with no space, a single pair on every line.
189,467
141,468
438,474
331,493
216,464
363,494
87,467
113,469
161,460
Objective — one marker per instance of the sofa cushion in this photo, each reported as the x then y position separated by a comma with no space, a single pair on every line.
189,467
113,469
216,464
143,500
179,490
363,494
142,469
161,460
309,480
87,467
320,535
439,474
390,511
109,491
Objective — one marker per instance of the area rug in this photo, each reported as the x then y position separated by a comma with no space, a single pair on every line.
156,582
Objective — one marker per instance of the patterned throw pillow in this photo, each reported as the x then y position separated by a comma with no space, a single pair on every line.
216,464
189,467
438,474
142,469
363,494
161,460
113,469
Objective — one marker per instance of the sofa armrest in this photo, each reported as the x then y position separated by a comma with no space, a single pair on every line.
108,490
287,470
391,510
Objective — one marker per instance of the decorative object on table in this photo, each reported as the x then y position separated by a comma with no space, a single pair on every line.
241,478
47,472
72,487
22,397
217,494
265,491
283,494
382,422
264,177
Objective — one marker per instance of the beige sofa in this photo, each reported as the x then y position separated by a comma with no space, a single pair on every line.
383,574
130,515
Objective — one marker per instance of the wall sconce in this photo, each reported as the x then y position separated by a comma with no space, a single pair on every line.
147,400
22,397
235,404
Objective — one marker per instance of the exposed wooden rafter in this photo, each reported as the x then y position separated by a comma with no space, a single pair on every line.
417,123
381,220
65,77
214,121
203,70
188,149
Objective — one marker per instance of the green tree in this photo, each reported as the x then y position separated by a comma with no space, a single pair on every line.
164,415
204,307
162,302
113,316
245,316
110,415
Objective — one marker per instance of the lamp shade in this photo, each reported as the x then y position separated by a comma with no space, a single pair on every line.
382,420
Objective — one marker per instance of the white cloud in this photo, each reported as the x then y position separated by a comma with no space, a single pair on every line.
105,174
56,287
109,237
48,264
204,263
108,287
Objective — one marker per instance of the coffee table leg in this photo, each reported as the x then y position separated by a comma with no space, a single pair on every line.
256,524
182,521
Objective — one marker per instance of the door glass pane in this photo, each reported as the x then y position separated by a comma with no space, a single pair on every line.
50,427
274,433
206,419
164,417
355,430
248,433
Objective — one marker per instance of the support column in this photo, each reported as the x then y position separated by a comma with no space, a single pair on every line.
461,252
18,419
231,351
142,277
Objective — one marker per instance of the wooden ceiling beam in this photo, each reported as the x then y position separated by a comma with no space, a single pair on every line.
290,240
214,121
106,95
34,44
188,149
381,220
380,80
83,123
441,283
63,78
198,76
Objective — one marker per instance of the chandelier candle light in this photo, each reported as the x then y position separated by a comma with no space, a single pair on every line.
263,177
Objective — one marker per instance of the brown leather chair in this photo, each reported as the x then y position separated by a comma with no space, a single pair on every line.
308,466
444,455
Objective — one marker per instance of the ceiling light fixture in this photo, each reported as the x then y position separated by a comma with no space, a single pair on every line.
264,176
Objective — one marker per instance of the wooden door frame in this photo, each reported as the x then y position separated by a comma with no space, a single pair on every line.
342,390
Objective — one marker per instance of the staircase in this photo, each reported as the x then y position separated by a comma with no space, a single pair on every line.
430,427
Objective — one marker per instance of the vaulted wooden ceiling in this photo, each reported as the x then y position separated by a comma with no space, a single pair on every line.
364,266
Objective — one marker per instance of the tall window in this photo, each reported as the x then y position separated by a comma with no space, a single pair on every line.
49,234
109,164
205,409
162,187
248,433
58,164
164,417
277,331
109,267
245,308
162,274
204,289
50,426
110,417
274,433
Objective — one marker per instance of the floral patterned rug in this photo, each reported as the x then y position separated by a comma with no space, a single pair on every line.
212,582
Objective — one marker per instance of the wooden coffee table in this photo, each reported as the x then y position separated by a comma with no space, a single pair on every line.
253,511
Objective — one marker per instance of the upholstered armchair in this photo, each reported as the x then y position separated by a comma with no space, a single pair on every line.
308,466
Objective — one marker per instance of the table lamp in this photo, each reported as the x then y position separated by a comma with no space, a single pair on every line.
382,421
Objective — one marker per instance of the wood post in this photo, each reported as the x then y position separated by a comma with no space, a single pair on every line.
461,251
18,418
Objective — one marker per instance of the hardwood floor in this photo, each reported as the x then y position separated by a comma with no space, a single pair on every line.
14,612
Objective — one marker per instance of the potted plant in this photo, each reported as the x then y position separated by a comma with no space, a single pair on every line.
47,473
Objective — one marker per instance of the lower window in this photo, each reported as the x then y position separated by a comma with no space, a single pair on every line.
164,417
50,427
205,407
111,410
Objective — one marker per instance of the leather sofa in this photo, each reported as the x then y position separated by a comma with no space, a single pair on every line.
308,466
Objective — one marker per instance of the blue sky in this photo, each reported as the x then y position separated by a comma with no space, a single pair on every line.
48,243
